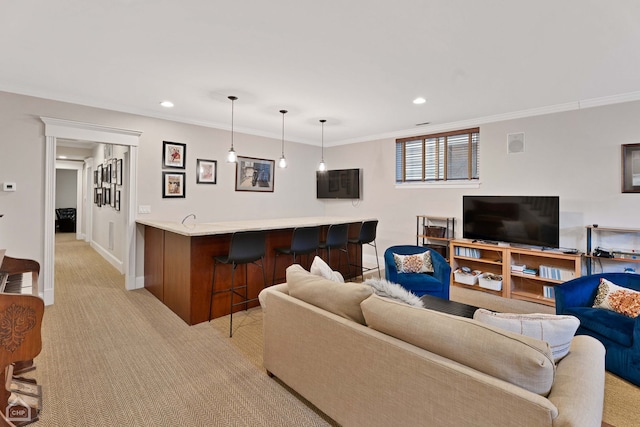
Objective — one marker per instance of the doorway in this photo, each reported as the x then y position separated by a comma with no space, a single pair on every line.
65,129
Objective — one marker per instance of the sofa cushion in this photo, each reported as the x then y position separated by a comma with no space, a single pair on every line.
417,263
387,289
321,268
557,330
616,298
342,299
609,324
517,359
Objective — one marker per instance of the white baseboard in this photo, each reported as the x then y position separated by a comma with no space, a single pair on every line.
118,264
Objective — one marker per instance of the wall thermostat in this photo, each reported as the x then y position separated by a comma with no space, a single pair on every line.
9,186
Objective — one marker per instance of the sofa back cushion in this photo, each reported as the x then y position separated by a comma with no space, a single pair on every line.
342,299
517,359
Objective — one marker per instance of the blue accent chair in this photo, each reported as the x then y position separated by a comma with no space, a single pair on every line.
436,283
620,334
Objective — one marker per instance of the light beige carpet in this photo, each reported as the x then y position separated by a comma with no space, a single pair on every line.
117,357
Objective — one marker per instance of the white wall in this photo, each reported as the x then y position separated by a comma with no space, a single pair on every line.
66,188
574,155
22,140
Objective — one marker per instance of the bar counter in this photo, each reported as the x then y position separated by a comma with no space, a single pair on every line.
178,260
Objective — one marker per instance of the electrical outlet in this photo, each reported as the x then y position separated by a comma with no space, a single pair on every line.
144,209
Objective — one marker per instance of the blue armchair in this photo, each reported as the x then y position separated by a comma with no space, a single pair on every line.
619,334
436,283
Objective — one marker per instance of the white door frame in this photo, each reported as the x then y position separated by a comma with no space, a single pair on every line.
67,129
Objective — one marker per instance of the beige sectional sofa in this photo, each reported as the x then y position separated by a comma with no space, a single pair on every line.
365,360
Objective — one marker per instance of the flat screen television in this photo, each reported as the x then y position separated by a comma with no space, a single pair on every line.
338,184
525,220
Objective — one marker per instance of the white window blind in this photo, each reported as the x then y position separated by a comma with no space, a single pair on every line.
440,157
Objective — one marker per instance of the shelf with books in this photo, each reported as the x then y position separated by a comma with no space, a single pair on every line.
551,267
485,258
528,274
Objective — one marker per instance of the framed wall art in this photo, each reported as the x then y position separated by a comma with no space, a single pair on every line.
173,154
173,185
631,168
119,172
206,171
254,174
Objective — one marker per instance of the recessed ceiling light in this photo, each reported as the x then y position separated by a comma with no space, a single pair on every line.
167,104
419,100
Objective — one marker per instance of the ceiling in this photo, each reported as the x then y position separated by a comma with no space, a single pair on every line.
357,63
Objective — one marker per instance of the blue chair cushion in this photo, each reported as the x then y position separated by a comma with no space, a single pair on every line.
420,282
615,326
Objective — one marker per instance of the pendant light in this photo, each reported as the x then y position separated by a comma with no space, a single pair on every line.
322,167
231,155
282,163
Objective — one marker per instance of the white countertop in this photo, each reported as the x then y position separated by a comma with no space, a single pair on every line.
191,228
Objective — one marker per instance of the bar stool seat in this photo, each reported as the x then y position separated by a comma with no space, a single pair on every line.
337,238
367,236
246,247
304,241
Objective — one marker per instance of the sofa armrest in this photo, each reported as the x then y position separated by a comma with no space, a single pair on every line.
578,389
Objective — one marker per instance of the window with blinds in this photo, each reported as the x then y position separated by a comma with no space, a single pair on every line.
446,156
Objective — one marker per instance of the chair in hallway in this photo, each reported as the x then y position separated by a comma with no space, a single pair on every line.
337,238
246,247
367,236
304,241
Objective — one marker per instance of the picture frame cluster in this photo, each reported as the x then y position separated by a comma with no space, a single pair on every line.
107,180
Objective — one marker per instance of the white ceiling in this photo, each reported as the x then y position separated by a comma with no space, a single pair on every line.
357,63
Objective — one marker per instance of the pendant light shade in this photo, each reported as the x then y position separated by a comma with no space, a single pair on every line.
322,166
231,155
282,163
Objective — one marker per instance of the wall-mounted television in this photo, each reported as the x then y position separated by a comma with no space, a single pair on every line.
526,220
338,184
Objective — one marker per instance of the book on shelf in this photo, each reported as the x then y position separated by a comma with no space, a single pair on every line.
556,273
468,252
548,292
530,271
518,267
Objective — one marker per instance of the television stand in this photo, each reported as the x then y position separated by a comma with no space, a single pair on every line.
556,267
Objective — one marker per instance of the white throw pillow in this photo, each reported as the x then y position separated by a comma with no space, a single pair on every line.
321,268
557,330
617,298
417,263
387,289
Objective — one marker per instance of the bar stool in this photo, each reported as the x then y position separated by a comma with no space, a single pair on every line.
337,238
305,240
246,247
367,236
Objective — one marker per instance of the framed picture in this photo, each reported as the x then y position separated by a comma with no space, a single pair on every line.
100,176
173,184
173,154
114,171
106,196
108,173
97,193
631,168
119,172
113,195
108,151
95,178
117,200
206,171
254,174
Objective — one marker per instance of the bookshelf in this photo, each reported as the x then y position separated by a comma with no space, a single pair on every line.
545,269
